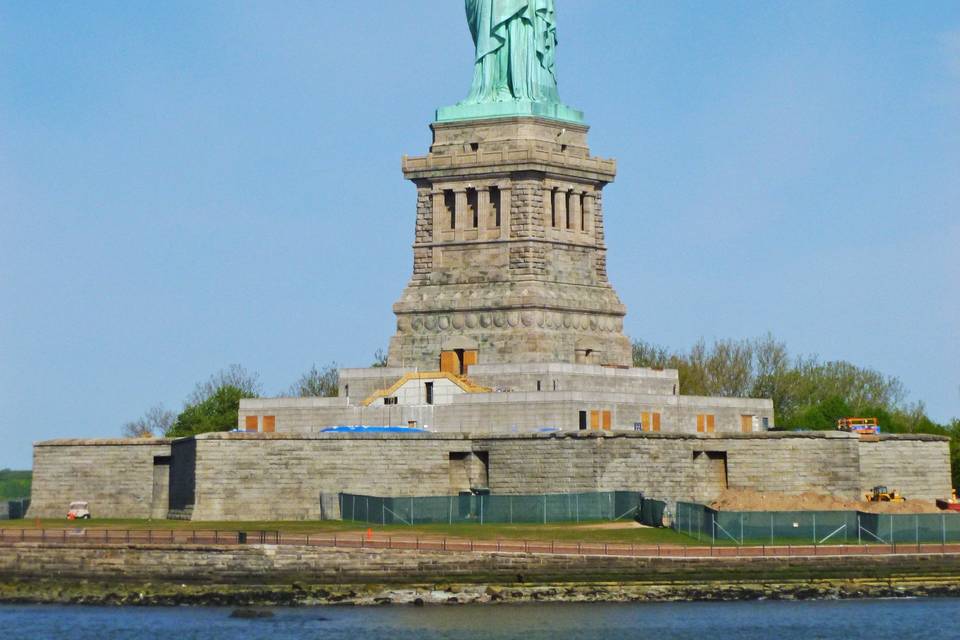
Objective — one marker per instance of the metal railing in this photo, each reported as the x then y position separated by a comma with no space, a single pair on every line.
369,540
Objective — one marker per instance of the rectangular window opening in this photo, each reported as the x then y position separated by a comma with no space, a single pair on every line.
473,210
450,207
583,421
495,205
428,388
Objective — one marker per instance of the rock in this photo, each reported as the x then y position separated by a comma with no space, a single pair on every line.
250,614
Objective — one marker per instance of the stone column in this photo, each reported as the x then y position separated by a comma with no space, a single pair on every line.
575,215
560,207
505,192
485,209
590,207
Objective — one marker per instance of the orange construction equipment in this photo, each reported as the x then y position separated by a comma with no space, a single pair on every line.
859,425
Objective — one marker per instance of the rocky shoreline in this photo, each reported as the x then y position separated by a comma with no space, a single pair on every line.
159,594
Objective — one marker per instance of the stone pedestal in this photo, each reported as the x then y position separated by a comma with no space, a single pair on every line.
509,253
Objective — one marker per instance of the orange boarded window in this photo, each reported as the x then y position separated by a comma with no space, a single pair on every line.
606,421
269,424
594,419
656,422
746,424
449,362
711,424
469,358
700,423
250,423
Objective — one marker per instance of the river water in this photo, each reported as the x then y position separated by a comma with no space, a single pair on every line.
904,619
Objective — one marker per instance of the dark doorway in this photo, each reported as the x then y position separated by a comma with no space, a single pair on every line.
583,421
429,389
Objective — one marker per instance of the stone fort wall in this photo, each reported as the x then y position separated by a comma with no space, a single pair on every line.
120,478
236,476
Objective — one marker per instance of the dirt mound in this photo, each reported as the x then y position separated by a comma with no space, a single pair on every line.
750,500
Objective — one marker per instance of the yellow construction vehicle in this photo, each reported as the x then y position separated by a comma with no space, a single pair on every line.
882,494
863,426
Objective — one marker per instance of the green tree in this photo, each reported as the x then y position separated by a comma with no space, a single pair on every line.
323,383
216,413
214,404
233,376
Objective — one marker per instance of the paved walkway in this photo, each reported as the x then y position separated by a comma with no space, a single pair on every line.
354,540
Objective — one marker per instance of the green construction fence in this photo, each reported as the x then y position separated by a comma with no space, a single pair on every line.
814,527
484,508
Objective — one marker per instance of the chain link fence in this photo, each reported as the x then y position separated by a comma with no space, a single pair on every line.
813,527
501,509
14,509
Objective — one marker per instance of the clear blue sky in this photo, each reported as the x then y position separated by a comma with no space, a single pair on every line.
185,185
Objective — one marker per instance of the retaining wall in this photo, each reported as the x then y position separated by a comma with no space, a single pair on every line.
115,476
267,564
282,476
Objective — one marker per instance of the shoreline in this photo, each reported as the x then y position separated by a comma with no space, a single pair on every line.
289,575
97,593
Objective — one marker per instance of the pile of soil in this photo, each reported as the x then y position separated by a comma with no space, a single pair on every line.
750,500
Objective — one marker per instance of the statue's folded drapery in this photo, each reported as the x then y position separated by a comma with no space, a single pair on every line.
515,44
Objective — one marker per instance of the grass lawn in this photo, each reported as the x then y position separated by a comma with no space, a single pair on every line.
562,532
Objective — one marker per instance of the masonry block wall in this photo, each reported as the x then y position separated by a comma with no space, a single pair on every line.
236,476
240,477
673,467
116,476
524,411
913,465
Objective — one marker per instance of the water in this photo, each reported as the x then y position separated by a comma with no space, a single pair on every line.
851,619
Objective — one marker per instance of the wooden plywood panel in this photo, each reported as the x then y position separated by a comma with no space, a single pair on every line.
656,422
449,362
700,422
711,423
594,419
746,424
607,422
645,421
470,356
269,424
251,423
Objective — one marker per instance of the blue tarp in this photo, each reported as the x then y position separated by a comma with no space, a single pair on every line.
360,429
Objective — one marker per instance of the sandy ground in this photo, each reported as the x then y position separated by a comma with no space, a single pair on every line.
748,500
619,524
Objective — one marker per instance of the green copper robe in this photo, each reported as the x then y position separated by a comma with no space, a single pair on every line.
515,44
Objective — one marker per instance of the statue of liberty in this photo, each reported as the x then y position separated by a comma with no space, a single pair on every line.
514,70
515,43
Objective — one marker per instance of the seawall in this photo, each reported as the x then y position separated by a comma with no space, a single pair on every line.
287,574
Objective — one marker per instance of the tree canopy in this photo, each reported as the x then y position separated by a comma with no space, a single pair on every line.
216,413
322,383
807,393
